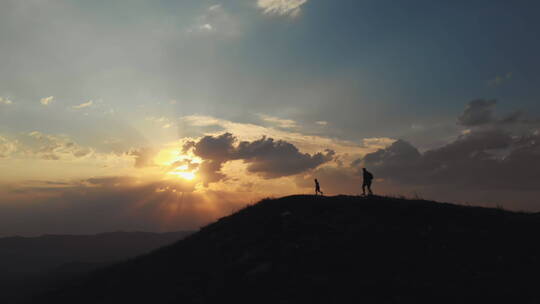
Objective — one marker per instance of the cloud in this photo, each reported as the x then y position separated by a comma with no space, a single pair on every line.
7,147
273,159
265,157
162,121
251,132
84,105
478,160
53,147
210,172
206,27
36,146
215,20
282,123
215,151
5,101
281,7
496,161
215,7
377,142
478,112
397,156
46,100
322,123
220,148
481,112
144,157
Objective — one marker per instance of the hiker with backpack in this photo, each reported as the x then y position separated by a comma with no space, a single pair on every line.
368,178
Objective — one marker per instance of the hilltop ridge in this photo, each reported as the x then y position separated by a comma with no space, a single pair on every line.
341,249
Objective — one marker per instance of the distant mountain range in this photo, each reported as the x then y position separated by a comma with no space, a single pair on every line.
31,264
343,249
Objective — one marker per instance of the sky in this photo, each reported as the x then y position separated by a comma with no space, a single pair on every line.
168,114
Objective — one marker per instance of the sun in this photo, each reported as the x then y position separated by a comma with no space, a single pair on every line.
178,164
184,173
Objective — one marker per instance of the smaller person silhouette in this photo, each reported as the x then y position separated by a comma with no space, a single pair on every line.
368,178
317,188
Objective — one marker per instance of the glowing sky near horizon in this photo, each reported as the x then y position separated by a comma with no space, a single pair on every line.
165,115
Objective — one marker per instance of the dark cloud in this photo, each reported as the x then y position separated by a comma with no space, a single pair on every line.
481,112
478,112
266,157
478,160
399,155
191,166
513,118
497,160
272,159
220,148
210,171
215,151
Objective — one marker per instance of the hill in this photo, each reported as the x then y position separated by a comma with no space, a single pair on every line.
343,249
30,264
23,255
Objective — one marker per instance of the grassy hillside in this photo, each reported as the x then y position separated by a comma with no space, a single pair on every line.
306,249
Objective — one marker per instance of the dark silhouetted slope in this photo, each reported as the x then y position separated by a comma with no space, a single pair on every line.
32,264
25,255
305,249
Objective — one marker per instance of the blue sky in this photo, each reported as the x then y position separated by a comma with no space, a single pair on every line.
379,58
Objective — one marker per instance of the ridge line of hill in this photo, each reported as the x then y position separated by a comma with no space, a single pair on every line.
340,249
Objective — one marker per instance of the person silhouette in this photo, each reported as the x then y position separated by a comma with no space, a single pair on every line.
368,178
317,188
